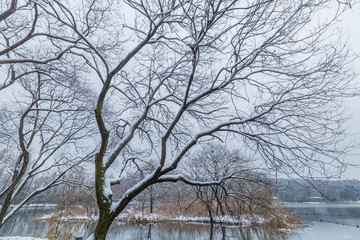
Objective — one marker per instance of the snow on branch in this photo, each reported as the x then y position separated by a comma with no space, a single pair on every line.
132,190
34,61
179,177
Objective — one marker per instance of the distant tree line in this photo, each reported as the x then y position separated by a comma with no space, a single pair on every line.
291,190
287,190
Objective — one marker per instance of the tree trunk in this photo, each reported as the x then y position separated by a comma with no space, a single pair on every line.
211,237
103,202
149,232
223,231
5,206
151,204
210,214
8,198
102,227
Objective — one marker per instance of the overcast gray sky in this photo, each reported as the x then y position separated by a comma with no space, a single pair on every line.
351,26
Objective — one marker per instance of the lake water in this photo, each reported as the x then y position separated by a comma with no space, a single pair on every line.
326,222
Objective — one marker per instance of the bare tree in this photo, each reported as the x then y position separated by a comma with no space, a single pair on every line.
43,134
243,187
150,194
215,163
174,74
46,117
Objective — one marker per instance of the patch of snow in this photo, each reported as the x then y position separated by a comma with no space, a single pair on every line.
21,238
78,218
68,218
46,216
35,205
134,216
107,189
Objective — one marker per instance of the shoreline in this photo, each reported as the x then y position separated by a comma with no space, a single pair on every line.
245,220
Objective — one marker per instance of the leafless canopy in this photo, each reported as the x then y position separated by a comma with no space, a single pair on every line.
171,74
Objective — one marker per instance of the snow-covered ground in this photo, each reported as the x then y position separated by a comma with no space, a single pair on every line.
35,205
20,238
244,220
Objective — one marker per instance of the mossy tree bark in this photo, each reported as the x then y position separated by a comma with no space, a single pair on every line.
103,226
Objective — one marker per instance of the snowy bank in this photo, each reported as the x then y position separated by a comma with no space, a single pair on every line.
20,238
34,205
135,217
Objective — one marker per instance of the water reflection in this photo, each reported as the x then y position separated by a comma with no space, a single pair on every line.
185,231
344,214
23,225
